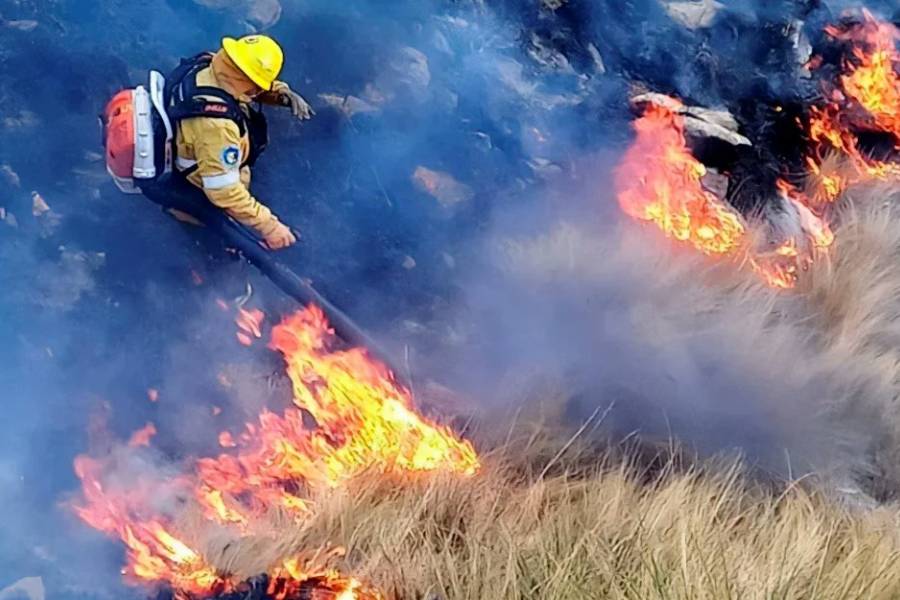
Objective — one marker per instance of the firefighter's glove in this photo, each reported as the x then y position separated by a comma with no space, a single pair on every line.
300,108
280,236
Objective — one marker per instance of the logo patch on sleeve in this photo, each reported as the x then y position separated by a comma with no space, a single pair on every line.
231,156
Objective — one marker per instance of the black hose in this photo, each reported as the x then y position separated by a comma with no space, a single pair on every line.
301,290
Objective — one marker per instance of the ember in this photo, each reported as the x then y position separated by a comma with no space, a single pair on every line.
364,420
249,323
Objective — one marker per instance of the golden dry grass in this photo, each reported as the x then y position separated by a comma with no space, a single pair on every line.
601,532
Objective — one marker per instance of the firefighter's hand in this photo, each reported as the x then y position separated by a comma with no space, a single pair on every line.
300,108
280,237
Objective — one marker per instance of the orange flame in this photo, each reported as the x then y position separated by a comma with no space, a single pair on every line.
818,231
659,181
781,267
120,508
873,80
363,420
870,90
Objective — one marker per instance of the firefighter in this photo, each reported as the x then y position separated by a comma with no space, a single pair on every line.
219,134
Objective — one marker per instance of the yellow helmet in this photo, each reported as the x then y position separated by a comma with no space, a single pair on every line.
259,57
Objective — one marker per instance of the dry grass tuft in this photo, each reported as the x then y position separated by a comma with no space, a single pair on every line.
606,532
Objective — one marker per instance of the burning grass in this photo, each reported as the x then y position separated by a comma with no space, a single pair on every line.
604,531
544,519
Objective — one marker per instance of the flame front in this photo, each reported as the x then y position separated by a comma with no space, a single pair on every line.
123,509
659,181
363,419
868,95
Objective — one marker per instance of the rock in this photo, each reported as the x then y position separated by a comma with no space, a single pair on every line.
61,284
405,74
441,43
11,177
259,14
30,588
442,186
693,14
544,168
547,56
802,46
481,141
23,120
699,122
512,74
410,66
39,206
599,65
699,128
667,102
348,105
716,183
22,25
263,14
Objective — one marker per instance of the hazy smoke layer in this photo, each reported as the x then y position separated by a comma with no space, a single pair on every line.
443,130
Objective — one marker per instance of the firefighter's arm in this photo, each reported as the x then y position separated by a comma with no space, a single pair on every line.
217,148
283,95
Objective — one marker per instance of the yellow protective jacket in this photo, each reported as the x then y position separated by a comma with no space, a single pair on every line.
217,149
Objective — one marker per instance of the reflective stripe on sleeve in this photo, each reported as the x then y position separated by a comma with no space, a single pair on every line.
217,182
185,163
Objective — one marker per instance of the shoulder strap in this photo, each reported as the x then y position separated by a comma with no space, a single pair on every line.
186,70
185,99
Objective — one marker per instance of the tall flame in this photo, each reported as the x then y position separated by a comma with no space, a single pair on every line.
363,420
659,181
